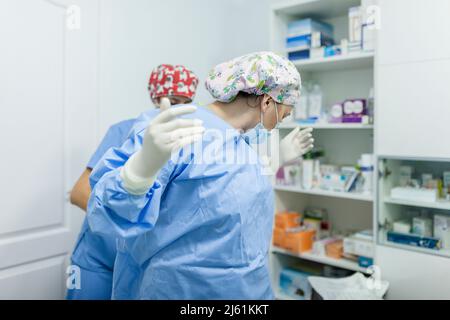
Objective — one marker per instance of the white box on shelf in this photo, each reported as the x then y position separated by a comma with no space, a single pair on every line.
402,226
359,247
317,53
368,38
355,24
442,230
422,227
415,194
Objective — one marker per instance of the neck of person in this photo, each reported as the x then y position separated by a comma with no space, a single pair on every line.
237,114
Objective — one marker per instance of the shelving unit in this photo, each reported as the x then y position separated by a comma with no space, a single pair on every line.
392,209
325,193
441,253
341,77
441,204
345,62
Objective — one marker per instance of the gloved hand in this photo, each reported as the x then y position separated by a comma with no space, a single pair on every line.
164,104
296,144
165,134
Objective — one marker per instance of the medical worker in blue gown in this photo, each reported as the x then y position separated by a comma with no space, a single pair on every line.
186,194
95,254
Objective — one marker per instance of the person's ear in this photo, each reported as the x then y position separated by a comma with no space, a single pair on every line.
266,101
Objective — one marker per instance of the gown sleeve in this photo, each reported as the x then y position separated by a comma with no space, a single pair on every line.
111,209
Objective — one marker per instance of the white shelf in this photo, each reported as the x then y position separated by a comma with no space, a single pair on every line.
333,194
321,9
340,263
342,62
444,205
331,126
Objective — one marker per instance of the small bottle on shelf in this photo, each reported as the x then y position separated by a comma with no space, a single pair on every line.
301,108
315,103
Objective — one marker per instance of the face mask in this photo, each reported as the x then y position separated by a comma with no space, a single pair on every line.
260,134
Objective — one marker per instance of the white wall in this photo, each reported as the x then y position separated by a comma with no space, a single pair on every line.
137,35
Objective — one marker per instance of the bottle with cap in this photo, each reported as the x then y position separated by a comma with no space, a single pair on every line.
315,103
366,165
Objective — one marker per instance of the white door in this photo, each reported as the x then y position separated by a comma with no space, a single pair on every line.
48,103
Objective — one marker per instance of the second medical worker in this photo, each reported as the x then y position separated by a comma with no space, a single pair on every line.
186,194
95,254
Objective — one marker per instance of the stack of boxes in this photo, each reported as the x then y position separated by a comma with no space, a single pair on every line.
423,232
290,234
299,234
307,38
313,39
424,229
361,246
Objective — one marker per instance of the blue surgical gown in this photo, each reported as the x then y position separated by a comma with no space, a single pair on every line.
202,231
94,254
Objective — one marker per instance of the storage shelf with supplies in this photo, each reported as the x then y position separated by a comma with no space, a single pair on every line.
340,263
341,62
384,241
443,204
331,78
414,210
333,194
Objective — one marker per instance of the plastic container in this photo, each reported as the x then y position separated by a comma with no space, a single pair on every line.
367,173
315,102
307,174
301,108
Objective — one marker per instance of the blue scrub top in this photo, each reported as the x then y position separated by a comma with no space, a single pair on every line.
92,251
201,232
115,137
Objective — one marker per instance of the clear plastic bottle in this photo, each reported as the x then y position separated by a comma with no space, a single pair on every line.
301,108
315,103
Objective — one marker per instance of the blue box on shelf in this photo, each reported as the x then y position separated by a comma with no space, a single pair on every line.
295,284
365,262
299,55
414,240
307,41
332,51
309,26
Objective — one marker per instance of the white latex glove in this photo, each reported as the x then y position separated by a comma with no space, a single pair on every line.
165,134
164,104
296,144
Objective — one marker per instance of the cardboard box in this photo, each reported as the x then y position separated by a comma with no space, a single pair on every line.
359,247
295,284
442,230
335,249
300,242
288,220
279,237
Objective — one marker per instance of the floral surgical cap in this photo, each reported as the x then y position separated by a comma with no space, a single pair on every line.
167,80
256,73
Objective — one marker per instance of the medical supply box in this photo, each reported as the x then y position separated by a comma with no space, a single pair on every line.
295,284
358,246
304,27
